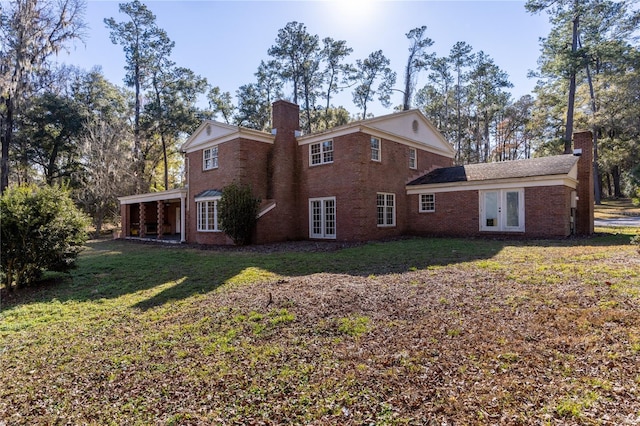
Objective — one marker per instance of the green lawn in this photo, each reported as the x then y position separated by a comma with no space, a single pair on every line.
403,332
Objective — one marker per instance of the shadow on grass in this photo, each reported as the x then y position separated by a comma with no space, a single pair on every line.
111,269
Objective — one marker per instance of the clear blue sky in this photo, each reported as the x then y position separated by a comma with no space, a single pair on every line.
225,41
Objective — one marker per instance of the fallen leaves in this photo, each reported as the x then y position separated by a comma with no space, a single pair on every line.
466,343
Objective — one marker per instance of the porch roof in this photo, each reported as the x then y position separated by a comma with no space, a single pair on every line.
172,194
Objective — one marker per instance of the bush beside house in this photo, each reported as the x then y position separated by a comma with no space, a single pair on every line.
41,229
238,212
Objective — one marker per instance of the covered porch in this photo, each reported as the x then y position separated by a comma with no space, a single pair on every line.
156,215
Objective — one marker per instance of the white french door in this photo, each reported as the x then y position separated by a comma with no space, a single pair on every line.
322,218
502,210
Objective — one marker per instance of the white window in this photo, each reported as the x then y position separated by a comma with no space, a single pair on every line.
386,209
210,158
375,149
321,153
413,155
427,203
502,210
207,215
322,217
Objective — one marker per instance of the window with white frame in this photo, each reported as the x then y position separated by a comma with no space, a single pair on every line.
321,153
210,158
322,217
207,215
413,155
375,149
386,204
427,203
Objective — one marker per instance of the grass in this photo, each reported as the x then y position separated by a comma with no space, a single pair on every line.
609,209
403,332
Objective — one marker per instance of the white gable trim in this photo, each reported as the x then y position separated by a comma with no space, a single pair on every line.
384,126
408,142
527,182
220,133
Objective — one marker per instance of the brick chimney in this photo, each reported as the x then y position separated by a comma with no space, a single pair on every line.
284,175
583,146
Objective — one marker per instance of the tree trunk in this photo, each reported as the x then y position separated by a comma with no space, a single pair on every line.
572,89
6,142
596,131
615,173
407,86
609,190
137,151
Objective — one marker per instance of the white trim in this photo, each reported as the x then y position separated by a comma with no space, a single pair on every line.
394,122
323,219
153,196
377,150
267,210
413,151
420,209
214,164
215,213
321,153
232,133
524,182
385,207
502,212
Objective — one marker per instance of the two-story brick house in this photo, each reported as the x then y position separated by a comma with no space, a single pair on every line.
382,177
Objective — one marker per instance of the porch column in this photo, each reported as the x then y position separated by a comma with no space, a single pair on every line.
143,227
160,218
183,201
125,220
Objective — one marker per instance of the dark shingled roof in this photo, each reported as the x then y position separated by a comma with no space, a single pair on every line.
543,166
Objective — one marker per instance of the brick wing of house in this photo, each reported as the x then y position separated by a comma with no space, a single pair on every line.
378,178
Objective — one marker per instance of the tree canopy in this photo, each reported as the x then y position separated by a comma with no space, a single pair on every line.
102,139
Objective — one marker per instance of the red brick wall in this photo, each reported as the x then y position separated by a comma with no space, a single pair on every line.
584,213
547,214
456,215
240,160
281,223
354,179
547,211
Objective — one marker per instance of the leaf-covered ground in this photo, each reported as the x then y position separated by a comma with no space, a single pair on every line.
407,332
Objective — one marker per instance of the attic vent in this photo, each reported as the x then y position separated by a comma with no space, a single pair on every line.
414,126
209,130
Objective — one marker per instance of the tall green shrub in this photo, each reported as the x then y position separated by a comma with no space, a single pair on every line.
40,229
238,212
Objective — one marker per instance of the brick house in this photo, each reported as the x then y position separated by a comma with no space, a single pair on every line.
372,179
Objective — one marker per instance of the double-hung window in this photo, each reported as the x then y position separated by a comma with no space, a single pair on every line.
386,204
207,215
427,203
375,149
210,158
413,155
321,153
